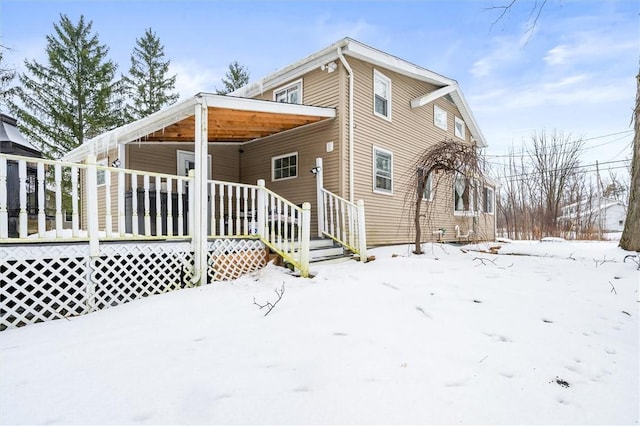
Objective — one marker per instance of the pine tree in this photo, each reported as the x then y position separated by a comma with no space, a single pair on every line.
147,84
6,76
68,100
236,77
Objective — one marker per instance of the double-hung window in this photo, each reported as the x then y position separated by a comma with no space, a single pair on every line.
382,171
101,178
381,95
284,166
488,200
439,117
459,128
427,192
291,94
464,196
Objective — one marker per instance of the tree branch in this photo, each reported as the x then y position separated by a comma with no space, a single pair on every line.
270,305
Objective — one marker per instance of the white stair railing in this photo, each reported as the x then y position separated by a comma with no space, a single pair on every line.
340,219
284,227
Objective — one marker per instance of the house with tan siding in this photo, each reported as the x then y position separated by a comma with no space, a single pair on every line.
388,111
385,112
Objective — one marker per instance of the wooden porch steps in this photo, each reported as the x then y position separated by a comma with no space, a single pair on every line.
325,250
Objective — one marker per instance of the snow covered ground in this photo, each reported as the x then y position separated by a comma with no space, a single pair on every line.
546,334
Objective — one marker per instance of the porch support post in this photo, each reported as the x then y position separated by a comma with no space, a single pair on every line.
91,194
262,211
320,195
362,232
305,239
200,184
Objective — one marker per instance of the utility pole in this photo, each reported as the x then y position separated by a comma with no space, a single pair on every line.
598,194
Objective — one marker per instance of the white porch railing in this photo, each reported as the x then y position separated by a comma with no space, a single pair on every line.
42,201
242,210
340,219
118,203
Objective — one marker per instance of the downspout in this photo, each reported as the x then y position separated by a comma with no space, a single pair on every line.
350,72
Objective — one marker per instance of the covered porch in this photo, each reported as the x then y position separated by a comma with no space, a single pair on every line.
110,220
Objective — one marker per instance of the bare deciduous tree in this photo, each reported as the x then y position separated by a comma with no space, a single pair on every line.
447,156
630,239
554,159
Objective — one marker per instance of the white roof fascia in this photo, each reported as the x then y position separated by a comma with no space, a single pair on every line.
430,97
291,72
181,110
467,116
393,63
260,105
134,130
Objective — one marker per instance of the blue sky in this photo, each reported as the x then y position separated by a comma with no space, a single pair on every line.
574,72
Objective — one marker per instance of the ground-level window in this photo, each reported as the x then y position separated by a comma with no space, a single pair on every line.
464,195
381,95
291,94
488,200
439,117
382,170
427,193
284,166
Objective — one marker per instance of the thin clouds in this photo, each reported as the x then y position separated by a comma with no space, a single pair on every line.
589,47
193,78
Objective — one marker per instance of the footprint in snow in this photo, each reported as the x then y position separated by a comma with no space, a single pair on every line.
419,309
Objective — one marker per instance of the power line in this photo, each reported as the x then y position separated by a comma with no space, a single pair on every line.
522,154
593,165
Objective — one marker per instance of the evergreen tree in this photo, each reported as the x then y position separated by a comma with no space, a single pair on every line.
147,84
68,100
6,76
236,77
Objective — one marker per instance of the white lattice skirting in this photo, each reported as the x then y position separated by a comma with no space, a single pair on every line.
40,282
230,258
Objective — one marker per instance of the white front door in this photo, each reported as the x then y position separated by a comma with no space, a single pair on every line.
186,160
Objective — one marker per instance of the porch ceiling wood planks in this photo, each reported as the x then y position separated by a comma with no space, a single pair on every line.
232,125
230,119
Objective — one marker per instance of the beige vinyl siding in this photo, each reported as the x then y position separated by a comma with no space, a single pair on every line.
308,144
160,158
407,135
319,88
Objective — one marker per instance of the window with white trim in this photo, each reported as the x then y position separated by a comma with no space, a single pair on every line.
381,95
284,166
100,174
291,94
439,117
427,193
382,171
459,129
488,200
464,196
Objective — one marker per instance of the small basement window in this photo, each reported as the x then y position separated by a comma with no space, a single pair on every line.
284,166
